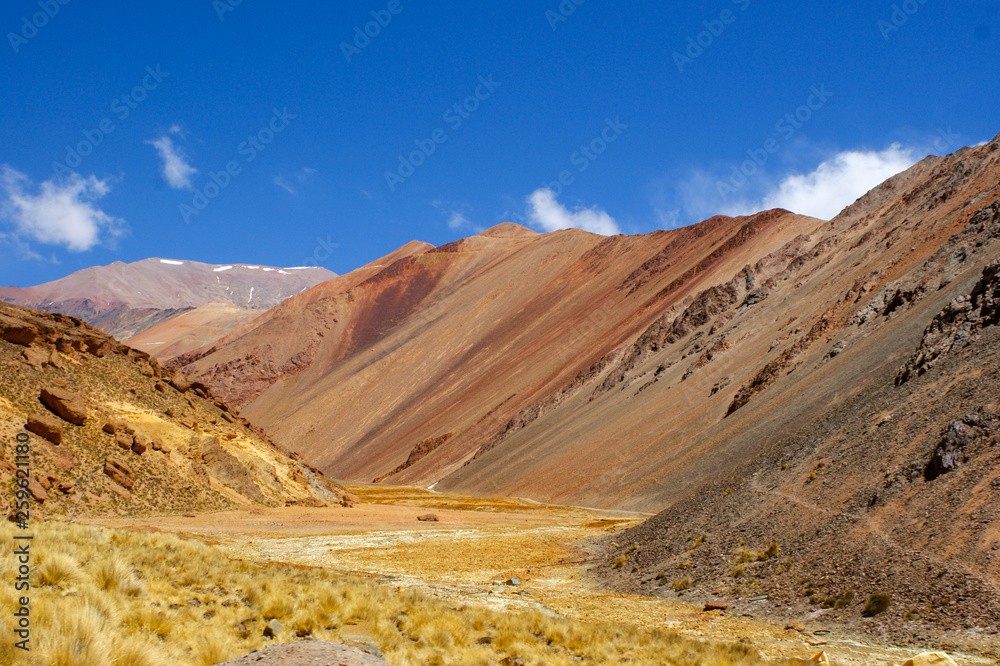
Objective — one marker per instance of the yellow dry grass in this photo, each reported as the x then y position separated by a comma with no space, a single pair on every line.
108,597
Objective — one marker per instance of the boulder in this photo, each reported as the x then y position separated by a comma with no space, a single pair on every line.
119,472
141,443
45,426
55,360
67,405
428,518
931,659
16,331
111,427
180,382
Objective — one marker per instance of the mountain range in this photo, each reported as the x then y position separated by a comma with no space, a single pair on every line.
126,299
770,384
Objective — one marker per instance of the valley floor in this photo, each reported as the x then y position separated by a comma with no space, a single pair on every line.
474,549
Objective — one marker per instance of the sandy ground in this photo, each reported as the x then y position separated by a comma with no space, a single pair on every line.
474,549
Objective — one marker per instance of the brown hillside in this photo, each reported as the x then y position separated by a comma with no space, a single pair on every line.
110,434
459,339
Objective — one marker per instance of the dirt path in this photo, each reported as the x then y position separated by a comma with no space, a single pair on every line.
470,553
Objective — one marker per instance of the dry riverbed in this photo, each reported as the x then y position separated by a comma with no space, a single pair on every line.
471,553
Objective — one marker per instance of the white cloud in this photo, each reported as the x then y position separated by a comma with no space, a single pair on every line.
176,170
459,221
550,215
61,213
283,184
834,185
302,176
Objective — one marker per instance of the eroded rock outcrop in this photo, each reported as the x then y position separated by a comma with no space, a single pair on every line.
957,324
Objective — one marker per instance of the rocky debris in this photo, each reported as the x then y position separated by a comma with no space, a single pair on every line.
309,653
773,370
428,518
67,405
47,427
272,629
119,472
956,324
961,441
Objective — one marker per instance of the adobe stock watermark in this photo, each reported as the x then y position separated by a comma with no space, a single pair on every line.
582,158
31,25
223,7
899,17
784,129
122,107
454,116
562,13
324,249
588,153
381,18
945,141
714,28
255,144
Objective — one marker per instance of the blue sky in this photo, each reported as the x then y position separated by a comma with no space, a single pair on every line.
609,116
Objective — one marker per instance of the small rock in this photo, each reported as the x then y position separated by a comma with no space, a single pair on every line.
66,487
794,626
111,427
428,518
157,444
45,426
123,440
512,581
716,606
161,387
36,490
272,629
55,360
